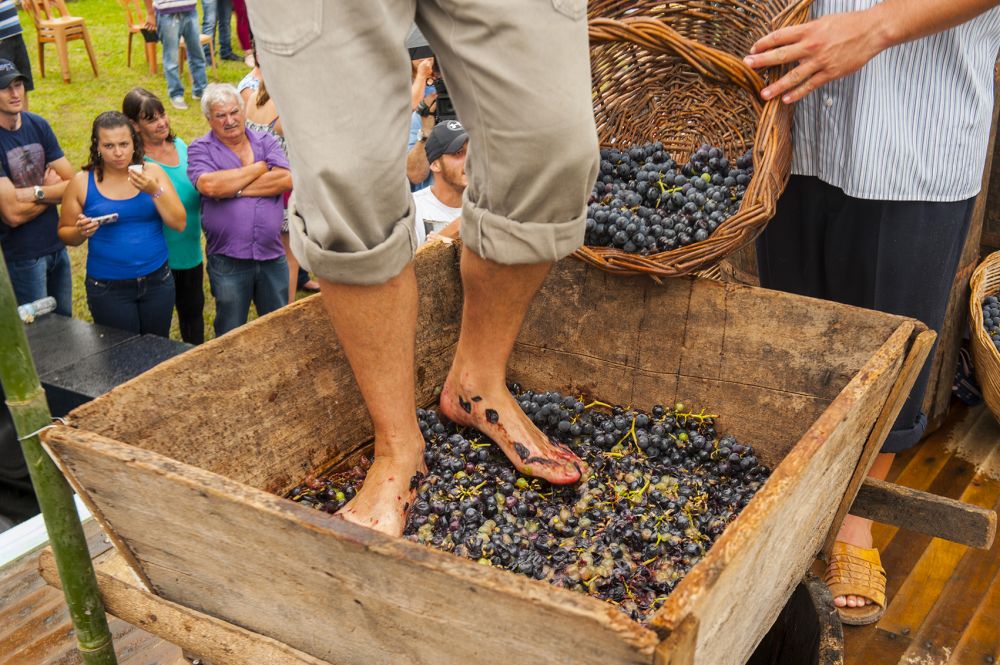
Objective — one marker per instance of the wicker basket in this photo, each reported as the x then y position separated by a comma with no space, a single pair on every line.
674,73
985,282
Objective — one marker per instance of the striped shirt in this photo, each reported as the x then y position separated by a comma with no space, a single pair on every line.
911,125
10,24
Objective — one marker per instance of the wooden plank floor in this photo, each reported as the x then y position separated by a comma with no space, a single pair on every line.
944,599
35,628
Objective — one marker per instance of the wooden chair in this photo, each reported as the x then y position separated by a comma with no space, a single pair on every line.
135,18
205,39
55,25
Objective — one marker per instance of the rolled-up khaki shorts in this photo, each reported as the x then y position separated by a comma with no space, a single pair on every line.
518,72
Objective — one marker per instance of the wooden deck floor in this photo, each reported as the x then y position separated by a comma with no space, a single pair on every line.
944,599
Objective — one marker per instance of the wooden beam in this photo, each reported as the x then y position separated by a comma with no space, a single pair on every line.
926,513
211,639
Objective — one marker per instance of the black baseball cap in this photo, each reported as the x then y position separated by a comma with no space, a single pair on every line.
446,138
9,73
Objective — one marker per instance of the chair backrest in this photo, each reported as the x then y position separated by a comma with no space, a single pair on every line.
135,12
46,10
33,8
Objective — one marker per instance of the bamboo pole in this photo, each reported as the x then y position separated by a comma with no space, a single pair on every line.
30,412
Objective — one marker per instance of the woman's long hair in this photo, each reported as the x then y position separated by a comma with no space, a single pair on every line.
110,120
141,104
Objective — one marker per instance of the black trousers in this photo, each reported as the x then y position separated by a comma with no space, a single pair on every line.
893,256
190,303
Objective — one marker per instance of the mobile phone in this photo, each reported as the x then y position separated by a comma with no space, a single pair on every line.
106,219
135,168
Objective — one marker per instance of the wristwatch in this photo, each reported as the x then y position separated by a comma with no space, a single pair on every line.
421,136
39,193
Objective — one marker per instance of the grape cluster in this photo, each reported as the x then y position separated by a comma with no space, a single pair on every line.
662,487
991,319
644,203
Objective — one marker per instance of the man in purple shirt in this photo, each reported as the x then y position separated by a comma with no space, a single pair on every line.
242,176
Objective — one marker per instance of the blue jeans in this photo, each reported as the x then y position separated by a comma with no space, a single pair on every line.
143,305
171,27
218,12
47,275
235,282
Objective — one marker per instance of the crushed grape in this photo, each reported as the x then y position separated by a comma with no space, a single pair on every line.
662,487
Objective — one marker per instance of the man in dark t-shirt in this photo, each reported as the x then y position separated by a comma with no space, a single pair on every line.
33,176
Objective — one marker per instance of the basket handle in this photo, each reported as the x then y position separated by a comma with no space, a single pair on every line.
656,35
793,14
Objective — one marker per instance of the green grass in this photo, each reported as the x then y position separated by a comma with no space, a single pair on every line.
71,108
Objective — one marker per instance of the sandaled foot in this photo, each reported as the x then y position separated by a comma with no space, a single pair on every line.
857,581
495,413
386,495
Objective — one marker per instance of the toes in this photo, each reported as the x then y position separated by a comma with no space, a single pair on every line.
840,601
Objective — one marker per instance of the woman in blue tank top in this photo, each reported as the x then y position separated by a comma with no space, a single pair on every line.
120,205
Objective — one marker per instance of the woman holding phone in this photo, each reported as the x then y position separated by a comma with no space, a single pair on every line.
184,256
120,205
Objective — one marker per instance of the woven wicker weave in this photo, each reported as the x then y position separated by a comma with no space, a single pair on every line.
985,282
674,73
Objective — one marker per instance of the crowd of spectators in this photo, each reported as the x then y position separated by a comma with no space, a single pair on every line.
157,212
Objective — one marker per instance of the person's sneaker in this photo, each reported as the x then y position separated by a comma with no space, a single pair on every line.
179,103
249,61
196,95
233,57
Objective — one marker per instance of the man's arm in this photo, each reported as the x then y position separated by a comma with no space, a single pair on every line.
274,182
13,211
224,184
417,168
150,15
53,192
836,45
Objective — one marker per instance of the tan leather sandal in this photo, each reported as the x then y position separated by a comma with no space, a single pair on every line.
856,571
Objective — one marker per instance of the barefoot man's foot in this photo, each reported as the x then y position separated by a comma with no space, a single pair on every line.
385,498
494,412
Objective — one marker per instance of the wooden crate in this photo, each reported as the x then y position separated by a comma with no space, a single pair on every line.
181,465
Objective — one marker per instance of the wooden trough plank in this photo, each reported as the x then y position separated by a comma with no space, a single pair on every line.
962,521
320,567
915,358
981,641
204,636
801,494
923,467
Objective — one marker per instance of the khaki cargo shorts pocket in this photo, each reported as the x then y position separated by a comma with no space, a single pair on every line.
285,28
575,9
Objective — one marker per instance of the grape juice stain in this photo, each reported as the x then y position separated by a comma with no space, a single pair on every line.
466,406
477,398
492,416
522,451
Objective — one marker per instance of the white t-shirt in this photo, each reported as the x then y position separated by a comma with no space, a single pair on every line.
432,215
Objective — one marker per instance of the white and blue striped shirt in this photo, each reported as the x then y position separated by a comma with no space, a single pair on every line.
912,124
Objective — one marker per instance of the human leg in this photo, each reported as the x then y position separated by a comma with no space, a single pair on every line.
293,269
156,302
196,57
224,15
242,24
231,283
168,28
522,210
27,276
385,376
270,285
59,280
189,299
496,298
114,303
209,9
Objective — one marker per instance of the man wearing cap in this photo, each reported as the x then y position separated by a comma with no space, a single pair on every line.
440,204
33,176
518,74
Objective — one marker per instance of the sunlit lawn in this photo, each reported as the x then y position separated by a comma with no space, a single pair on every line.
71,108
